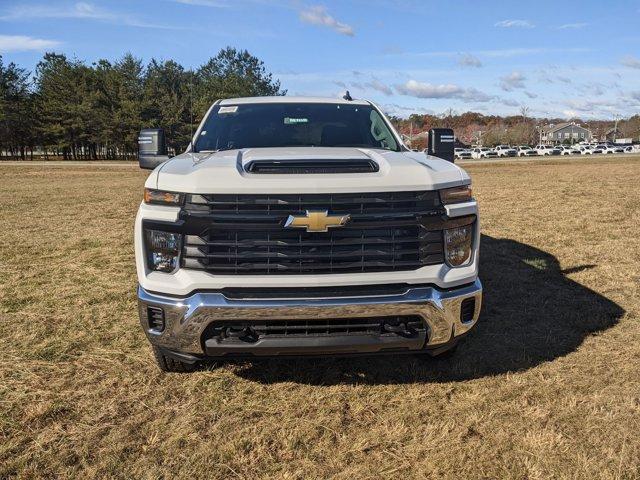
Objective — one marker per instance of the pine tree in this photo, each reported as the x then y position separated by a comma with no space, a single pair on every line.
167,101
234,73
16,110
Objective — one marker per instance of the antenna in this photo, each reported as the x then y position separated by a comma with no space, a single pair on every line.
191,111
347,96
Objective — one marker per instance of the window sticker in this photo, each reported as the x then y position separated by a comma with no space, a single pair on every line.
294,121
203,133
230,109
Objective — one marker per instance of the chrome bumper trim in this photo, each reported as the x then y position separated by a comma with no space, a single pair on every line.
186,318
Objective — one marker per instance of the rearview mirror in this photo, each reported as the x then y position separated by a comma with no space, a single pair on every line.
441,143
152,148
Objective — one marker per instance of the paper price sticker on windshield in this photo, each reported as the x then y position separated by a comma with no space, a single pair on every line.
231,109
294,121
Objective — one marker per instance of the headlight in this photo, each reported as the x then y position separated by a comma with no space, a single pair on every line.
160,197
163,250
457,245
456,195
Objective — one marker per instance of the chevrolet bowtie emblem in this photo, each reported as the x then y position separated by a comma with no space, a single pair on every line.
316,221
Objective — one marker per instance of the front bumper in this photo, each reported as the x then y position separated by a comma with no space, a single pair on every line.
187,318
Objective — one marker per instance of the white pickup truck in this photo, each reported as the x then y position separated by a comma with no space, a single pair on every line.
505,151
303,226
547,150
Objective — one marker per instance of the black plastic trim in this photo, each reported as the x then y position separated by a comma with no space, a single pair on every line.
312,166
290,292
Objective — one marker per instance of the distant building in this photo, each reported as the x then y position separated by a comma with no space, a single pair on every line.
565,132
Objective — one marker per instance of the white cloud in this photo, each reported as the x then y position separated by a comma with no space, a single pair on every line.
531,94
380,87
630,61
18,43
393,109
79,10
318,15
594,88
572,26
417,89
594,108
570,114
509,102
468,60
512,81
514,24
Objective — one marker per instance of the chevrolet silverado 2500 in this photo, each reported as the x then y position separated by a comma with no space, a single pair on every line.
302,226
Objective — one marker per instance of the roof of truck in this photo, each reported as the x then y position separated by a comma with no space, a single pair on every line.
287,99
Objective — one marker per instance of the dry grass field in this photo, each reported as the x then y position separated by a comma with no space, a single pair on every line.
548,386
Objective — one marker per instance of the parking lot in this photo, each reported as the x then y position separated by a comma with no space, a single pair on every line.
507,151
544,159
546,387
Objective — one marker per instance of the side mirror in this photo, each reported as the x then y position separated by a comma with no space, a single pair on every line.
152,148
441,142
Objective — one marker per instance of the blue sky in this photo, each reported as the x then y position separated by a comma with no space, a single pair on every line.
572,58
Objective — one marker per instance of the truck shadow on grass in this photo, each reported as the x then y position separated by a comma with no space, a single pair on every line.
532,313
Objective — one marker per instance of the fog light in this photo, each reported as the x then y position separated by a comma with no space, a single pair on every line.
457,245
163,250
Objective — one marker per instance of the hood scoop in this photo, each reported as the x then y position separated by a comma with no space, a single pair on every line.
307,166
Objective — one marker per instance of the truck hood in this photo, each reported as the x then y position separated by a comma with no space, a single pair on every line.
223,172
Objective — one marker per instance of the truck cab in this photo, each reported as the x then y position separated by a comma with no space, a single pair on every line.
303,226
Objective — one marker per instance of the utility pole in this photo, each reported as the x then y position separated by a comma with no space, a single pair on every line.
539,128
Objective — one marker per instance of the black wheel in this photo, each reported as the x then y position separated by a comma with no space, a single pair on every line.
170,364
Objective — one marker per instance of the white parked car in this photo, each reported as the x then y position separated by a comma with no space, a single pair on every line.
483,152
254,244
547,150
611,148
505,151
567,150
590,150
526,151
462,153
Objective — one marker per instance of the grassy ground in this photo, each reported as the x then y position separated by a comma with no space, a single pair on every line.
547,386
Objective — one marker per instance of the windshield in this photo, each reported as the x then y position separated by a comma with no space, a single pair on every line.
294,125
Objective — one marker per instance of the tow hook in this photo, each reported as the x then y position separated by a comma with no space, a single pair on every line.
245,334
400,329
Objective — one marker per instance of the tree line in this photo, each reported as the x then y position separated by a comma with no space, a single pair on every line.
69,109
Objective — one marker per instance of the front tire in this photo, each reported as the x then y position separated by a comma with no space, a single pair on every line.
171,365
